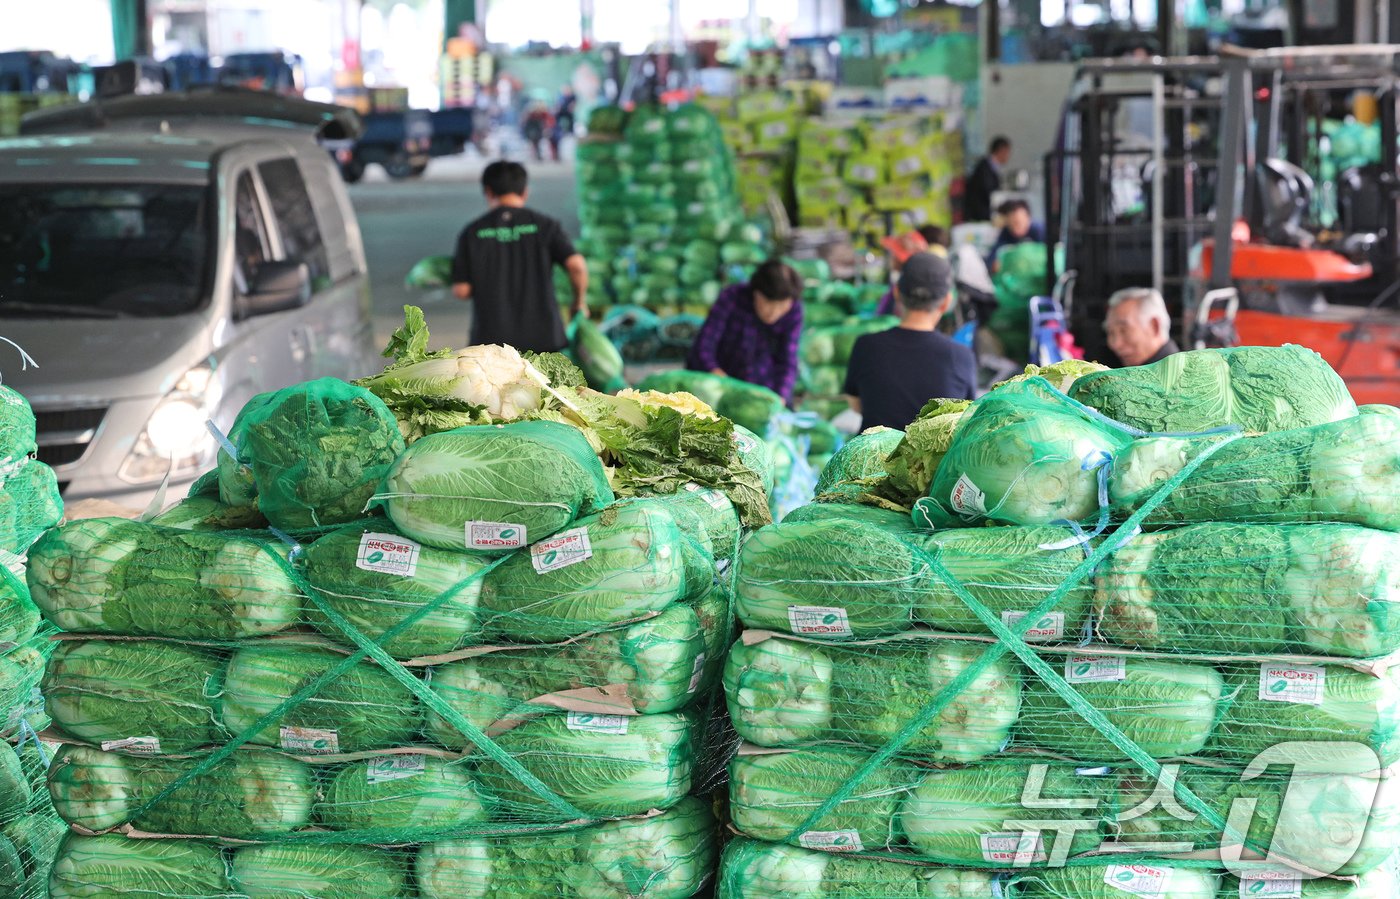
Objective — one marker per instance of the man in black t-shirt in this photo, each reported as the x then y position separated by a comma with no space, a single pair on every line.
505,264
892,374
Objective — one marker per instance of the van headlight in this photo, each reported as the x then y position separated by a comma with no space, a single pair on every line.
176,439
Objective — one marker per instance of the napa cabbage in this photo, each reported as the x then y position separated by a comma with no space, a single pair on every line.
787,693
247,795
19,617
100,691
1333,823
1108,882
492,489
1261,389
813,580
1343,471
969,815
296,871
752,869
771,795
392,792
603,765
126,578
863,456
375,578
828,509
315,453
620,565
666,856
100,867
360,710
1026,455
1349,707
652,666
1168,709
1010,570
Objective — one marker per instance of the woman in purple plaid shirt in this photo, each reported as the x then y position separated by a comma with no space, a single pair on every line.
753,329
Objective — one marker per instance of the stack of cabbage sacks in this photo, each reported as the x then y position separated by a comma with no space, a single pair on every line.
1174,649
660,215
494,685
29,503
29,499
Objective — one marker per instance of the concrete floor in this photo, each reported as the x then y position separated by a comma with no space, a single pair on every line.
403,221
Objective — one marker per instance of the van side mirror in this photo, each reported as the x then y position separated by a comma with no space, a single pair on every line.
276,286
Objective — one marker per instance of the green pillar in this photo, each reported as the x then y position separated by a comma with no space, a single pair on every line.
131,32
459,13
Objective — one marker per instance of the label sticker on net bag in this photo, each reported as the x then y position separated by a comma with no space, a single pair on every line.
134,746
966,498
1013,848
1138,880
309,739
819,621
495,535
831,840
394,767
596,724
1095,669
1301,684
561,551
1050,626
1271,885
388,554
713,498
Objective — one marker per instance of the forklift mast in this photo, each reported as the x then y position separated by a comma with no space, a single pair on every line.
1157,157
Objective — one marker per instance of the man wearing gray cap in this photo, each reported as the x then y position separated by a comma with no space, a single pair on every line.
892,374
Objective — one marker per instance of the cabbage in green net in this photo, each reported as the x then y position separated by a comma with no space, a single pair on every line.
967,815
107,691
862,457
771,795
788,693
832,583
362,709
313,453
1261,389
619,565
1168,709
375,577
126,578
752,869
490,489
668,856
293,871
88,867
1026,456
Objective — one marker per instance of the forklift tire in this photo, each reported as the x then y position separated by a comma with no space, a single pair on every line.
398,167
352,171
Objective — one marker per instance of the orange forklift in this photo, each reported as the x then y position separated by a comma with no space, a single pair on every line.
1216,207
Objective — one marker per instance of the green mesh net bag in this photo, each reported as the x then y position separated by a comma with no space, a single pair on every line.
1341,471
863,456
31,496
312,454
479,488
30,831
752,869
17,434
1026,455
1260,389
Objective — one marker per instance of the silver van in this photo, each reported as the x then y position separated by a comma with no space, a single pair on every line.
162,268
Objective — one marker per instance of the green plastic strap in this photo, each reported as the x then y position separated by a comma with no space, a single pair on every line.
1011,639
368,648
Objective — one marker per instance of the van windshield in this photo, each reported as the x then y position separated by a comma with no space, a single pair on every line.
102,251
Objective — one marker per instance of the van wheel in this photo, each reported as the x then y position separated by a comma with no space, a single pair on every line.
398,167
352,171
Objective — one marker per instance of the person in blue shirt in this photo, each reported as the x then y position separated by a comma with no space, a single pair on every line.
1017,227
